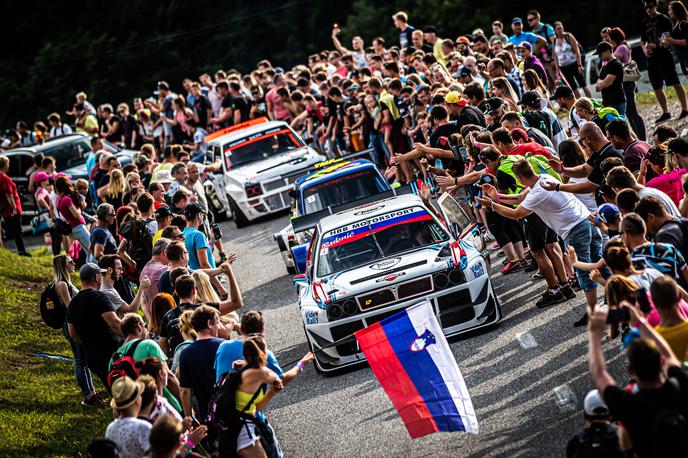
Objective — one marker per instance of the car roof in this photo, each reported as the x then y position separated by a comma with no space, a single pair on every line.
334,169
239,134
379,207
49,143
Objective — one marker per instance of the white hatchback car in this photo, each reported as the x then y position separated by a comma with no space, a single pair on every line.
261,159
368,262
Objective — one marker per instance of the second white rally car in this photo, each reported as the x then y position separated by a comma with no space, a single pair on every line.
261,159
368,262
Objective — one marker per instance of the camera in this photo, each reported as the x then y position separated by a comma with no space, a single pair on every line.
217,232
642,300
619,315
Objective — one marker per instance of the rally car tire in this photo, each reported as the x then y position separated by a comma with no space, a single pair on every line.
291,270
239,218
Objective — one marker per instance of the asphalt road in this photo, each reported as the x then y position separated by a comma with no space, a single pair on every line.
513,371
513,378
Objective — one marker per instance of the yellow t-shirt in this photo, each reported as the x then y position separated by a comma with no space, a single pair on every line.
677,337
89,123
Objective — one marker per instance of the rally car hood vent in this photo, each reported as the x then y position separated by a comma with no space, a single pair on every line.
388,272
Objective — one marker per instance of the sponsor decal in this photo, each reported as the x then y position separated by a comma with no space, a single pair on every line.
311,317
478,269
390,277
423,341
368,211
386,264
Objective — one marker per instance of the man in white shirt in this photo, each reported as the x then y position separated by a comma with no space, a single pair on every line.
562,212
112,264
57,128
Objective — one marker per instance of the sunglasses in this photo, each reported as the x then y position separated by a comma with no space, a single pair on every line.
530,19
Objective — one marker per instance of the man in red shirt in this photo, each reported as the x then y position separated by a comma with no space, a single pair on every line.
503,140
10,206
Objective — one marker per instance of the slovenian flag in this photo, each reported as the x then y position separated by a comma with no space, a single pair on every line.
411,358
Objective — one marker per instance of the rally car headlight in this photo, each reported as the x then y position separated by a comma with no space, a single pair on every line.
253,190
456,277
349,307
440,279
334,311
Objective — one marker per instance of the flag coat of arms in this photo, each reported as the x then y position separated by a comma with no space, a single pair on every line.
415,366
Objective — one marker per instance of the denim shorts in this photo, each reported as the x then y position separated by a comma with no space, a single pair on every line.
587,242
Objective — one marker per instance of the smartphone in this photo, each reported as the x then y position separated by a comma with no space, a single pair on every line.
642,300
620,315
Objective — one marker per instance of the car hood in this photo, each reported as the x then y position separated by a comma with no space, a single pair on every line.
275,166
79,171
385,272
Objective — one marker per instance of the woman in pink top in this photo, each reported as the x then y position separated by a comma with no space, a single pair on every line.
668,179
69,205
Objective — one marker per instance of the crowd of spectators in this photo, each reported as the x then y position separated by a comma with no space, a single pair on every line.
577,191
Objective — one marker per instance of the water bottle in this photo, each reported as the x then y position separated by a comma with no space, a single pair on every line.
438,163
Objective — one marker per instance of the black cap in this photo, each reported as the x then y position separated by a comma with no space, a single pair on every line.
162,85
679,146
531,99
465,71
192,210
603,47
163,211
492,104
89,271
561,92
430,29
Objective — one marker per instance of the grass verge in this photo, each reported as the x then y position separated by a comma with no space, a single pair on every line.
648,98
40,411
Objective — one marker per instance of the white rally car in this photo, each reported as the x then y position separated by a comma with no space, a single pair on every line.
260,162
368,262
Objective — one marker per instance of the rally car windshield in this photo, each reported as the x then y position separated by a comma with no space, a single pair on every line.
260,146
341,190
377,237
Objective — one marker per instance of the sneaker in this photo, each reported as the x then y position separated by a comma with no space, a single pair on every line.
550,298
683,114
529,265
511,266
537,275
567,291
663,118
25,254
582,322
494,246
94,400
573,282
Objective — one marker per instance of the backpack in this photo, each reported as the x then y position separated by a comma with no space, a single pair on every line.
139,242
123,364
669,426
540,121
567,37
598,441
224,421
52,311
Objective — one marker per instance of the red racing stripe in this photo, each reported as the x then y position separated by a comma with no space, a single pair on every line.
395,381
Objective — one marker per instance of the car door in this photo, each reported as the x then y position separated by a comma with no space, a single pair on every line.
460,224
20,162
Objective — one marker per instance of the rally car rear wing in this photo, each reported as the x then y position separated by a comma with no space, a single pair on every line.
364,154
307,222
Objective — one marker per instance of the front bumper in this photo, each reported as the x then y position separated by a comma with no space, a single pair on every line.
459,309
275,198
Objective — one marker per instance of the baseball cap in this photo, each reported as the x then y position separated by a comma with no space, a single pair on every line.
163,176
608,212
465,71
464,40
594,406
89,271
162,85
192,210
679,146
493,104
163,211
603,47
142,160
531,99
453,97
525,44
561,92
516,20
125,392
40,176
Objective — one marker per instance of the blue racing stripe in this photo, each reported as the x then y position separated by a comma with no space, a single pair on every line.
422,370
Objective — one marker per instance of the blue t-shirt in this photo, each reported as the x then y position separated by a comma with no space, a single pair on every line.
524,36
233,350
195,240
101,235
90,162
